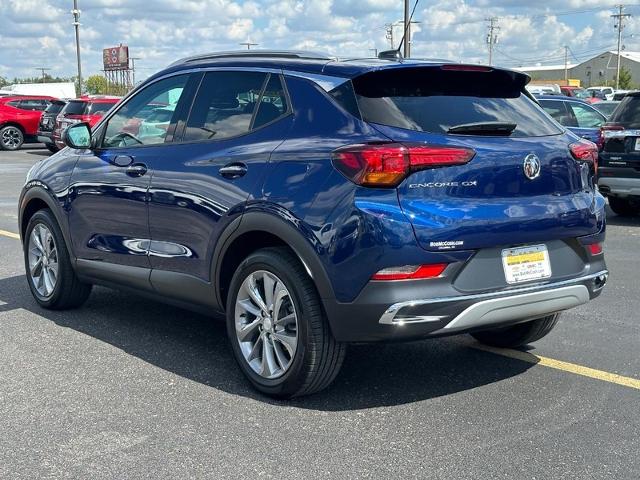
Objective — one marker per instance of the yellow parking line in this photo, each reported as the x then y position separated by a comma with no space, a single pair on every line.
564,366
4,233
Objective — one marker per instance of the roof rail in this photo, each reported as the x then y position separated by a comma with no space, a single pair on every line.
255,53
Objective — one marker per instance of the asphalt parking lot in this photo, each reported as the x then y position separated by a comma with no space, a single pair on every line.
128,388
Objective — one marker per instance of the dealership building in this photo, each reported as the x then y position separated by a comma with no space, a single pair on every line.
595,71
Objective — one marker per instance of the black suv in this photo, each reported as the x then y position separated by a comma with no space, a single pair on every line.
48,123
619,172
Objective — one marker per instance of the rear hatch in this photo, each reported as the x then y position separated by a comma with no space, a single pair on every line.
522,185
622,136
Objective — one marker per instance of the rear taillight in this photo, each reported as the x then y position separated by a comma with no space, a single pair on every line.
585,151
386,165
595,248
411,272
611,131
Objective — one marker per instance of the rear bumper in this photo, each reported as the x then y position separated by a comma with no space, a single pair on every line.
619,186
45,137
367,320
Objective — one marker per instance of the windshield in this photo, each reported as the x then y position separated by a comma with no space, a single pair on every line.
436,100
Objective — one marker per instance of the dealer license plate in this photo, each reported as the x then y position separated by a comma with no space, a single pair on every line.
524,264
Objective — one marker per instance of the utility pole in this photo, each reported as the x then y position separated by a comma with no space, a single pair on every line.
375,51
620,26
566,64
248,44
76,23
43,69
133,70
389,34
492,36
407,29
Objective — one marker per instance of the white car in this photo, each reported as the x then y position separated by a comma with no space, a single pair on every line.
606,91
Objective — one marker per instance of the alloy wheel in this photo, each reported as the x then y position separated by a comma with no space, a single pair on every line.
11,138
266,324
43,260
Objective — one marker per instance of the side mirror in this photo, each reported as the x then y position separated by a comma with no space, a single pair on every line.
78,136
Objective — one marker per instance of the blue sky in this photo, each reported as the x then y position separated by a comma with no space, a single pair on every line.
38,33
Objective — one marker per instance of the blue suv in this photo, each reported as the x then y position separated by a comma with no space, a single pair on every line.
317,202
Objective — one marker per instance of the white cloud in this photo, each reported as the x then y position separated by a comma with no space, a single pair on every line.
37,33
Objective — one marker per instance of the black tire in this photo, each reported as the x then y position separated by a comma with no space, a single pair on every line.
69,292
518,335
622,206
318,356
11,138
52,148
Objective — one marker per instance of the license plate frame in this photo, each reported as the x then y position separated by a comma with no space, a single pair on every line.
636,145
526,264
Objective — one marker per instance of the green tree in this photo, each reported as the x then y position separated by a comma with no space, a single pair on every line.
625,79
96,85
3,82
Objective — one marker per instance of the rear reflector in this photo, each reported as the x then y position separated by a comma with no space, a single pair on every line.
585,151
386,165
411,272
595,248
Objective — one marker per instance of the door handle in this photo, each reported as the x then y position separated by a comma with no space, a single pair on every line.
136,170
233,170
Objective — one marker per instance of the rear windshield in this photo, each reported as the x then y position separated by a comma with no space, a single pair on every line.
86,108
435,100
95,108
55,107
75,108
628,112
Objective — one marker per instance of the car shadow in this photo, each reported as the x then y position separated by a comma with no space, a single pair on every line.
195,347
622,221
39,153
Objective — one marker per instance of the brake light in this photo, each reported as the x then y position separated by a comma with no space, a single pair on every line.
585,151
595,248
411,272
611,131
466,68
386,165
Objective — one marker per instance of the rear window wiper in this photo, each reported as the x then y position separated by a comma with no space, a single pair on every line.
484,128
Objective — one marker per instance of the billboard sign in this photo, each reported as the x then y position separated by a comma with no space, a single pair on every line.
116,58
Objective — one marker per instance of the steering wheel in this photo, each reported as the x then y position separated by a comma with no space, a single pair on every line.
123,136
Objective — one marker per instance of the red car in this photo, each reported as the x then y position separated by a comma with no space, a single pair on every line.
19,119
579,93
89,108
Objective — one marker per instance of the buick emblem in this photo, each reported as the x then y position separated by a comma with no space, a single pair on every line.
531,166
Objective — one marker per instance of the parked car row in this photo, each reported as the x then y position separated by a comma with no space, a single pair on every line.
44,119
614,126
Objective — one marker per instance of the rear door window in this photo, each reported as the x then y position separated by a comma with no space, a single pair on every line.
273,103
224,105
559,112
586,116
432,99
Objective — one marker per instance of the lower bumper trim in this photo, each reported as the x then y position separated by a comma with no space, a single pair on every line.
501,306
519,307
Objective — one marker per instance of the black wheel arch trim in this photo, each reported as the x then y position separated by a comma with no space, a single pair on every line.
283,227
35,190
